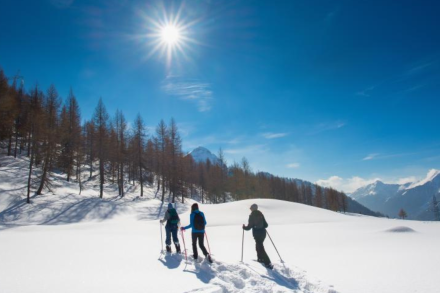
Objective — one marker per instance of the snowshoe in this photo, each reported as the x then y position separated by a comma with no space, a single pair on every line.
269,266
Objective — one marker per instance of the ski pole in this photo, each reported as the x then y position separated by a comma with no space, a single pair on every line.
161,239
184,246
206,235
274,246
242,244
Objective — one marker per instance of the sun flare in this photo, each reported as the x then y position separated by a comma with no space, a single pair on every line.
170,35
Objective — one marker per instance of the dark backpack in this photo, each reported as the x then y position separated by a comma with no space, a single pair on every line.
259,222
199,221
174,217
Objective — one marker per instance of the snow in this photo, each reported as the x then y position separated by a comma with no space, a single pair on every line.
64,242
201,154
432,174
414,198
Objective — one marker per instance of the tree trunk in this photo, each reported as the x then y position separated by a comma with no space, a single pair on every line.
101,178
121,180
141,179
44,175
29,178
78,175
16,144
163,188
10,144
29,145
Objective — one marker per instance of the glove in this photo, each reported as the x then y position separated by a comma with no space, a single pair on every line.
182,229
243,226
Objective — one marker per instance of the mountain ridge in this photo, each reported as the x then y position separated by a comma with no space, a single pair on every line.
415,198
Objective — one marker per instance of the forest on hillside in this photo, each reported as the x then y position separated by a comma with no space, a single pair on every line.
39,125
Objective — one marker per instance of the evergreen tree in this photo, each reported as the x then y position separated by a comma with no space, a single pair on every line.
402,214
435,208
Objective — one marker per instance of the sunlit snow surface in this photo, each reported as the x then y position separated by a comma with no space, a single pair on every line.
71,243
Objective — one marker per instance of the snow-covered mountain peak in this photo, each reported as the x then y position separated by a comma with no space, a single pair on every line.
432,176
201,154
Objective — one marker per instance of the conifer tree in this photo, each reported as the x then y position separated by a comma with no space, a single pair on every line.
161,143
139,142
435,208
35,118
402,214
100,121
49,136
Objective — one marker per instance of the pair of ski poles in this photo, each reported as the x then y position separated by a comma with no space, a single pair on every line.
183,239
242,246
184,247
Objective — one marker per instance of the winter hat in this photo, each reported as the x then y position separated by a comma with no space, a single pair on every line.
170,206
254,207
194,207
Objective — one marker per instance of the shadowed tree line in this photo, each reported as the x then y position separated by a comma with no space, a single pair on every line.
39,125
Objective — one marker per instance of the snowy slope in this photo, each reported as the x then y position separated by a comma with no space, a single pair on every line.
70,243
201,154
414,198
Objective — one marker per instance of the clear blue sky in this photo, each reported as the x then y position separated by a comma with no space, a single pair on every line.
305,89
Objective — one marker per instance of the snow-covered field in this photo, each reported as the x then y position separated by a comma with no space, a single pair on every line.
71,243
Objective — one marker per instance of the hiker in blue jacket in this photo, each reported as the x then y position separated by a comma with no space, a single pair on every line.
171,227
197,224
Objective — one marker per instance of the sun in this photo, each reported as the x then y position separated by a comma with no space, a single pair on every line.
170,35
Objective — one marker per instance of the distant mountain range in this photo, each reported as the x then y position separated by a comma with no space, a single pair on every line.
415,198
201,154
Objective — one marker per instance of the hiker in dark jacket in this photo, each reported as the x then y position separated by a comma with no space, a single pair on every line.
197,223
172,225
258,224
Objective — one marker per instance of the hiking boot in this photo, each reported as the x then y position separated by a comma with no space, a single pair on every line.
177,248
269,266
208,256
168,248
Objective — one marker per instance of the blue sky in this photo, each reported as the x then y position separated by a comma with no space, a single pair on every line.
340,92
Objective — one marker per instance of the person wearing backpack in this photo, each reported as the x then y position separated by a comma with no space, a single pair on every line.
258,224
172,225
197,224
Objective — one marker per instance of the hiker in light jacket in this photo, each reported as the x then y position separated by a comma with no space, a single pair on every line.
172,225
197,224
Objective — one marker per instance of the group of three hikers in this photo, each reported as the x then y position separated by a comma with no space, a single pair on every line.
197,223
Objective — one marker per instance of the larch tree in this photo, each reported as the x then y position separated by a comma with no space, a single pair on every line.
35,118
161,142
71,132
174,154
49,136
100,121
139,146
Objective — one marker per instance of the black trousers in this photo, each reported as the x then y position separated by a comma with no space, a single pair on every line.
259,236
201,238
